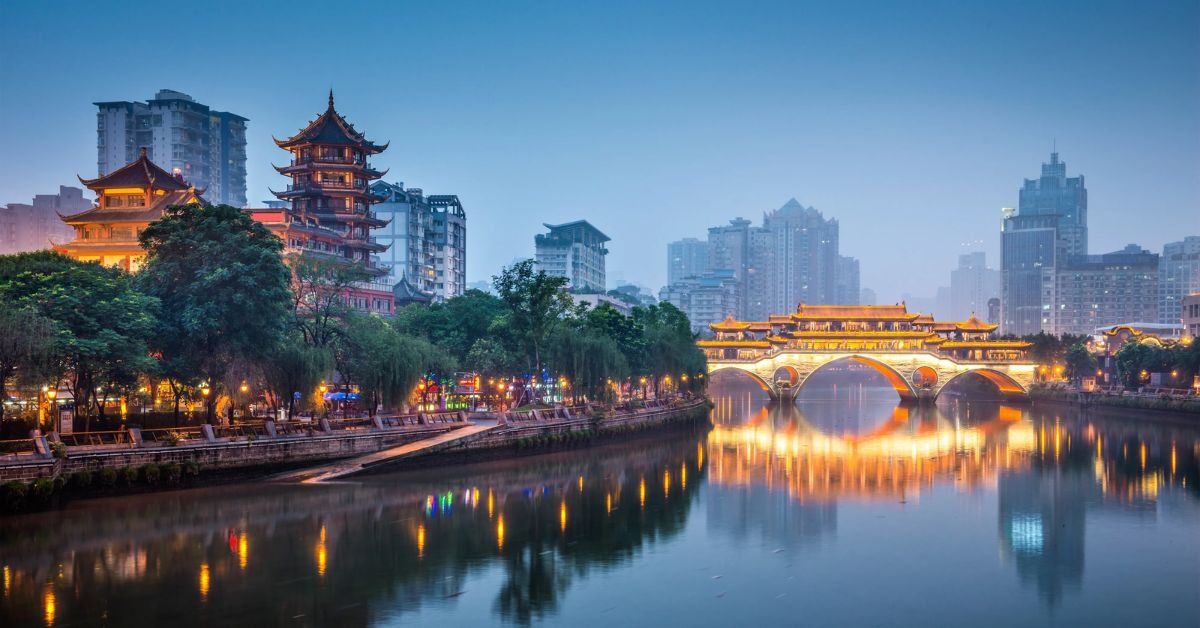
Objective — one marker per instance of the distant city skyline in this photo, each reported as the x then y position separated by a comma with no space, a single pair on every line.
911,126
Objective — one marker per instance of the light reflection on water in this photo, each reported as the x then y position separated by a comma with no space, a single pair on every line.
844,509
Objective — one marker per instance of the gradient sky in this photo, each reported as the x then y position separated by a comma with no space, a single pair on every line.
911,123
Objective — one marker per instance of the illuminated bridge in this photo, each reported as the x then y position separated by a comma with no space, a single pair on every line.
917,355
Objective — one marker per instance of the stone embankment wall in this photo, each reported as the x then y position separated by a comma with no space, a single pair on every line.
518,429
246,453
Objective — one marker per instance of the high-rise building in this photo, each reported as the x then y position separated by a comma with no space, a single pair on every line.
1049,225
427,238
207,147
1088,292
331,216
686,258
574,250
36,226
972,285
1178,276
803,257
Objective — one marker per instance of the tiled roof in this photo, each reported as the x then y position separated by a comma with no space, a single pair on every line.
330,128
730,324
854,312
974,324
109,215
141,173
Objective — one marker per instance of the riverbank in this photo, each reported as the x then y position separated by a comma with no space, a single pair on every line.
52,471
1130,400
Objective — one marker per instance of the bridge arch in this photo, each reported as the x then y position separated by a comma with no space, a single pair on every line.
893,377
1003,382
762,383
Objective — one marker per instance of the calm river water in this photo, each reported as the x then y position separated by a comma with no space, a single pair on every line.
845,510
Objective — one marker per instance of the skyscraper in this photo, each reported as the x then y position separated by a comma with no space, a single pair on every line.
803,257
1178,276
686,258
207,147
36,226
1049,225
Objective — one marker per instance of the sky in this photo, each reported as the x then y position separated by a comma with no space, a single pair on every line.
913,124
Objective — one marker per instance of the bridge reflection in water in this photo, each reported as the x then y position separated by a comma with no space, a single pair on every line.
530,538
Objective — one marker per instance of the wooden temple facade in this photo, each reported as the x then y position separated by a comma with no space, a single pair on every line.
127,201
859,329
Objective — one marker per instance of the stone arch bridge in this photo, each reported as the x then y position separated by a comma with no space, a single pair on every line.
915,375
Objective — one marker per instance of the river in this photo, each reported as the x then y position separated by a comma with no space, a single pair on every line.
845,509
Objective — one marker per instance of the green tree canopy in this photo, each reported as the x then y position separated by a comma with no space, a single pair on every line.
223,286
535,304
28,343
103,321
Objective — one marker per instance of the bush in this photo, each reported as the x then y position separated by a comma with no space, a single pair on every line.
58,450
151,473
59,481
173,473
13,494
81,479
192,469
129,475
108,477
41,489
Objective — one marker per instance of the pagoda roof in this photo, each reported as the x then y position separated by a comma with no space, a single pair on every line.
140,173
853,312
136,215
330,128
974,324
923,319
858,334
733,343
945,326
729,324
760,326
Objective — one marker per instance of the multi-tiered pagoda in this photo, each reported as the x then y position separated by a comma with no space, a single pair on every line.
331,198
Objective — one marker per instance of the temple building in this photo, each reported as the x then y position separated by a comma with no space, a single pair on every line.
330,200
127,200
858,328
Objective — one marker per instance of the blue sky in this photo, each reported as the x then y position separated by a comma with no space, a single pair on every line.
912,123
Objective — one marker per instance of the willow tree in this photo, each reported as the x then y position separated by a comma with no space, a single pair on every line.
385,364
293,369
223,286
27,346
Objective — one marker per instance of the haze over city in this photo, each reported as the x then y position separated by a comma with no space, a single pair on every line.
903,123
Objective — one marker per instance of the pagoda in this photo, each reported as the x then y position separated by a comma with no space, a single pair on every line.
330,202
127,201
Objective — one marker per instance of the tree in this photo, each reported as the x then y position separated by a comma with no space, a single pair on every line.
454,326
27,346
535,303
1132,359
103,321
222,284
1080,362
294,367
319,305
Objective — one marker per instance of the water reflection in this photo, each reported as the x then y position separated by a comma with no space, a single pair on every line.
1049,469
539,538
349,554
